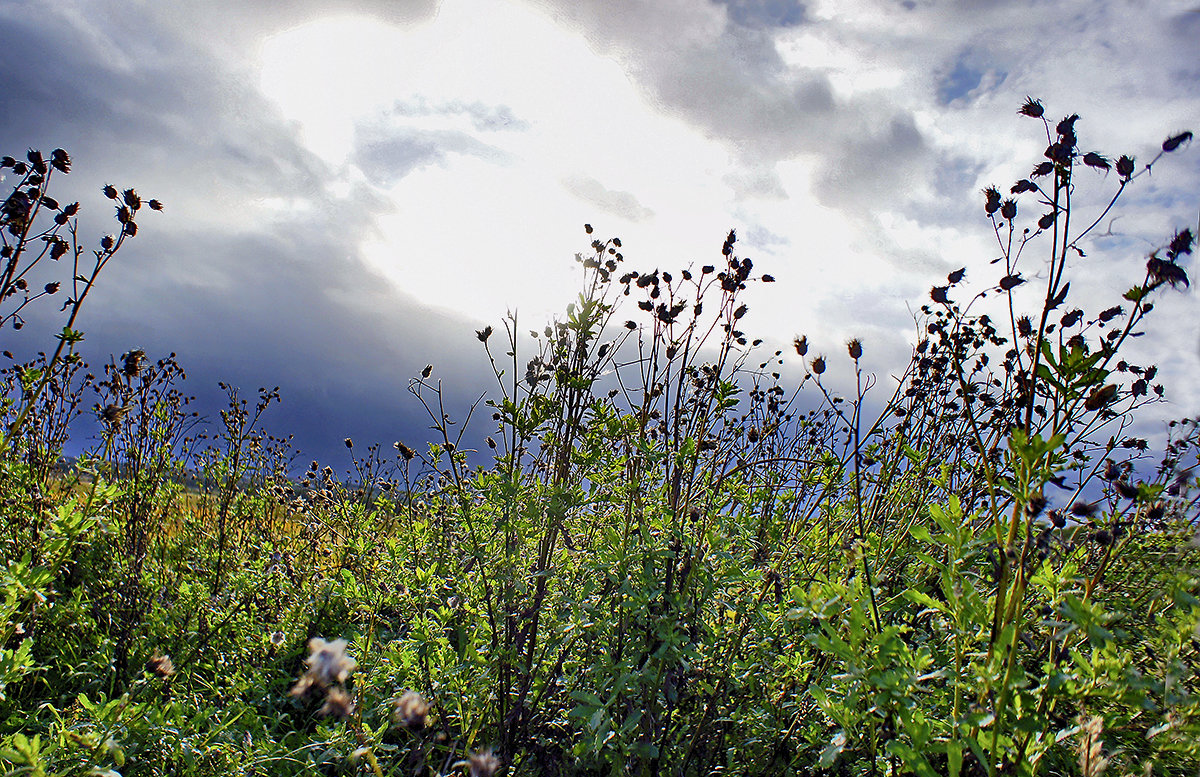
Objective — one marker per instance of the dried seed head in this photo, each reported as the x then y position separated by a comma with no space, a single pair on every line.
1083,509
328,665
483,334
854,348
160,665
818,365
1126,490
112,414
425,373
133,361
1175,141
338,703
991,200
60,160
483,763
1032,108
801,344
410,711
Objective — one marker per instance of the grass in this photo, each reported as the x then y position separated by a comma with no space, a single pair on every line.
671,563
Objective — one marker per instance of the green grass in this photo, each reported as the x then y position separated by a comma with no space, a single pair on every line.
672,562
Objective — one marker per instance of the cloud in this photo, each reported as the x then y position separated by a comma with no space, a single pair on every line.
617,203
253,274
483,117
765,13
848,141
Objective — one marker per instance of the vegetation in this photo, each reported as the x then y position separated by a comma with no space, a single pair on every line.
671,563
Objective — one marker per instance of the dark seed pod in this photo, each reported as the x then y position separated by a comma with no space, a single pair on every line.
1174,142
1032,108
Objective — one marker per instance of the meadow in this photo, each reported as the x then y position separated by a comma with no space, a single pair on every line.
643,552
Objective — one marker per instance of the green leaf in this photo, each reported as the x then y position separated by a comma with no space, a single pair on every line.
831,751
924,599
954,758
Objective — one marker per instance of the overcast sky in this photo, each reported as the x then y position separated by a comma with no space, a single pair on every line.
352,188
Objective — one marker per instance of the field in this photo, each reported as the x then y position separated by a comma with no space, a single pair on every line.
642,553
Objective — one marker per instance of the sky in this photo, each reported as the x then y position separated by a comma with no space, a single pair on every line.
352,188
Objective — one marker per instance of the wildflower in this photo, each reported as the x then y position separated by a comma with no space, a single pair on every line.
277,638
483,763
160,665
410,711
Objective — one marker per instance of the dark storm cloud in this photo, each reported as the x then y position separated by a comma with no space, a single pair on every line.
618,203
243,293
